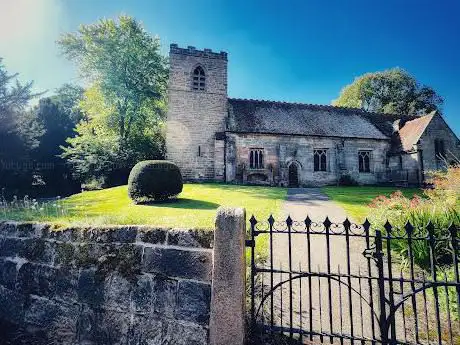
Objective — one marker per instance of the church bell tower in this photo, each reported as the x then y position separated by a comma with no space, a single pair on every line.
197,110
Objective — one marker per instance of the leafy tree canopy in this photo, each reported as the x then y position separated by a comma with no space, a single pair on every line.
68,98
16,142
14,97
125,62
125,106
60,113
14,117
96,152
392,91
30,138
57,117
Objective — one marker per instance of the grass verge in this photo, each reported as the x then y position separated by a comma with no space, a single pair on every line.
355,199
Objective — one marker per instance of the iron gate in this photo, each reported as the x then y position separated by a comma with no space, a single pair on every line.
342,283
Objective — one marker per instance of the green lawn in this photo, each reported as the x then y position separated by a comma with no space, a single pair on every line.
195,207
355,199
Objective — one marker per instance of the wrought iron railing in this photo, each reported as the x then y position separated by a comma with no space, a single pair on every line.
343,283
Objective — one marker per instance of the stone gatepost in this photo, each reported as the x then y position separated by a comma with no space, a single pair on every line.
228,296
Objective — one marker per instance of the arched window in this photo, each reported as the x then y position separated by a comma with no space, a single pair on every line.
364,160
320,159
199,79
256,159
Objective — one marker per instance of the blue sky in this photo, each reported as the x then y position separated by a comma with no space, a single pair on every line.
303,51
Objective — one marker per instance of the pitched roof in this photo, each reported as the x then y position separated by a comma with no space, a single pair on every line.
256,116
412,130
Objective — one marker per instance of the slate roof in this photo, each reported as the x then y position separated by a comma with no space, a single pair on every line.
412,130
256,116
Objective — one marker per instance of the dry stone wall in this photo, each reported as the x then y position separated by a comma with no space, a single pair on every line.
438,129
111,285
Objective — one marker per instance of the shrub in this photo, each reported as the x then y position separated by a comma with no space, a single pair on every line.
154,180
440,206
93,184
419,216
446,185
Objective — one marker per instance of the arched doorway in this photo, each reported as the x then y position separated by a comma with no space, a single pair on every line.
293,175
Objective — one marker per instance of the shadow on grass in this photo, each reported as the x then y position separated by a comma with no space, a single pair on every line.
184,203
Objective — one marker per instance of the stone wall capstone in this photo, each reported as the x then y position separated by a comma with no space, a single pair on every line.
108,285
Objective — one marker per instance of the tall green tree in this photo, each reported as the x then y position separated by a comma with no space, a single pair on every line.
126,103
14,96
14,99
96,153
57,116
391,91
19,133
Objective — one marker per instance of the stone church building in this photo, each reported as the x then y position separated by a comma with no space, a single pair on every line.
216,138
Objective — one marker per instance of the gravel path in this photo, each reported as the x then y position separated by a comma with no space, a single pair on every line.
311,201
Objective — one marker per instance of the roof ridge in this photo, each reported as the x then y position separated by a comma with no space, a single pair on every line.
325,106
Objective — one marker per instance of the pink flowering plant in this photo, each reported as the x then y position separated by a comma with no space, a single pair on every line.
440,205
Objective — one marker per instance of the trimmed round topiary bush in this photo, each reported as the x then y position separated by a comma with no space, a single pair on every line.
154,181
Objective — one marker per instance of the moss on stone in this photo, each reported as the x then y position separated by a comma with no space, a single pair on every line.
84,257
33,249
129,264
65,253
125,258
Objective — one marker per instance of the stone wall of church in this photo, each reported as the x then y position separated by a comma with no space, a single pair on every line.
405,167
195,116
438,129
281,151
414,166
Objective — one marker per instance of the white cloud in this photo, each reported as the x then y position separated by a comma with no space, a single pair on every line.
28,31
